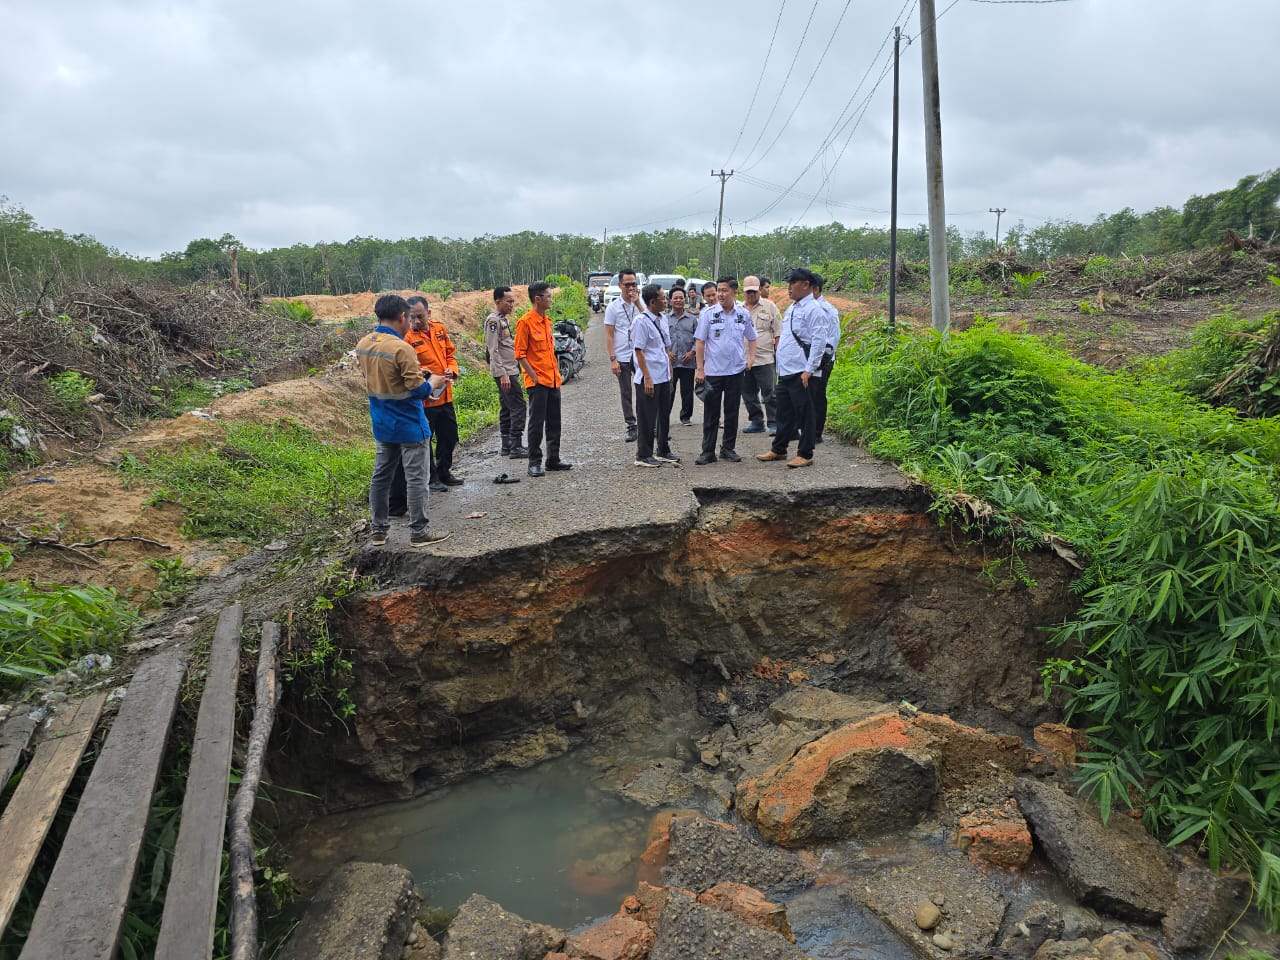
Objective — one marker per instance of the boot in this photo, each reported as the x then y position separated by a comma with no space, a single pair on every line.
506,445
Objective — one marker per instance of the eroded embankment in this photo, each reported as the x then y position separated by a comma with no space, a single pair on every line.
464,665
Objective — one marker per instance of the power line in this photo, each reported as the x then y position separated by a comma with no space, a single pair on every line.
1001,2
818,66
759,81
785,80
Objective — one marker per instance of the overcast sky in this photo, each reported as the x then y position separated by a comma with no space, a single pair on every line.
148,124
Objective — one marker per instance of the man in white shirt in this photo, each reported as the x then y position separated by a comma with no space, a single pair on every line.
652,343
818,385
758,382
618,317
725,346
798,359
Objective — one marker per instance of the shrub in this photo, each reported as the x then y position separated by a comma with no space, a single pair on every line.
441,288
1026,282
294,310
71,387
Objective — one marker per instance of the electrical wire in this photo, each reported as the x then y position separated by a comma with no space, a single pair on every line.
785,80
759,81
799,100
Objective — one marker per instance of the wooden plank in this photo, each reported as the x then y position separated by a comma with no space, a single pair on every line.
15,734
35,802
191,904
83,907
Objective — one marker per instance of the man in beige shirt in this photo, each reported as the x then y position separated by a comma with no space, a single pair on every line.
759,379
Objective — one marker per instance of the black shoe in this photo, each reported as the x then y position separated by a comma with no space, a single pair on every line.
667,457
730,455
435,486
753,427
535,470
704,458
631,435
559,465
648,462
519,453
452,481
685,423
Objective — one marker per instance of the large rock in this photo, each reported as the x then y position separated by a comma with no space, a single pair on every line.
1040,921
821,711
618,938
693,931
971,906
706,852
1205,906
364,911
482,929
1114,946
749,905
864,778
996,836
1116,867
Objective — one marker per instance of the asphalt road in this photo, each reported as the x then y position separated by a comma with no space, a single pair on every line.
605,489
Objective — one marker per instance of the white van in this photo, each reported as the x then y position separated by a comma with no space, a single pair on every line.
613,291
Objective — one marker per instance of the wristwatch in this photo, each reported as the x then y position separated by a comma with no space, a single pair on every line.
613,359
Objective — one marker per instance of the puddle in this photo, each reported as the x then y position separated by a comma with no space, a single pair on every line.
543,843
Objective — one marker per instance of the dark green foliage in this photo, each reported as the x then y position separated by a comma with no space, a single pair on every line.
1173,660
293,310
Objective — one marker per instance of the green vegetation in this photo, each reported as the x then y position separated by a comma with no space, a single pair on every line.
293,310
261,482
441,288
475,402
1171,661
367,263
1232,361
45,627
181,394
1026,282
71,388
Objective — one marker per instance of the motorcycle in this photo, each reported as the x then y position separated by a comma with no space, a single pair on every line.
571,348
595,298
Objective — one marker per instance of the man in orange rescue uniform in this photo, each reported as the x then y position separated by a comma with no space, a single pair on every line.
536,354
430,340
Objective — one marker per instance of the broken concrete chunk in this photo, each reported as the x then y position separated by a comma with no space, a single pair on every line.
706,852
483,929
364,911
687,929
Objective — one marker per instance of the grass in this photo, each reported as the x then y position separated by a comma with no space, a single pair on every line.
44,627
1172,661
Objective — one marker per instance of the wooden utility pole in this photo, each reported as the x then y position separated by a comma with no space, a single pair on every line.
939,294
997,211
715,268
235,269
893,194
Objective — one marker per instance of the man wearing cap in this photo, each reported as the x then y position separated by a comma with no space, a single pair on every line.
618,317
724,346
758,381
798,357
818,385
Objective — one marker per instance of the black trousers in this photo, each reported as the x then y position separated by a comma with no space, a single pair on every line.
795,416
653,416
684,379
726,391
512,412
444,436
818,390
544,414
626,370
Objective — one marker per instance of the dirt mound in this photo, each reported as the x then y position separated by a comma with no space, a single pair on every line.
460,312
54,508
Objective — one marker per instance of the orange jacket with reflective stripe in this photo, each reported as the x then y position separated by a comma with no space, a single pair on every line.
536,343
436,355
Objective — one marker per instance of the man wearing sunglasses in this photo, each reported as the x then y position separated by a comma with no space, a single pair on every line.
618,317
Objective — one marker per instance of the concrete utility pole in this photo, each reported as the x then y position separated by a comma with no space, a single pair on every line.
939,294
893,193
997,211
715,269
604,244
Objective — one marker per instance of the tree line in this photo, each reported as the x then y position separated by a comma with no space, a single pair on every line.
33,255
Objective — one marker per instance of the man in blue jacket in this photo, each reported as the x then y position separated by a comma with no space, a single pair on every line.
396,389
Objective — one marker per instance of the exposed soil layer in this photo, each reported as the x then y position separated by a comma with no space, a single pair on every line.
463,665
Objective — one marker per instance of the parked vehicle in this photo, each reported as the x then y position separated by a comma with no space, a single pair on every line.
571,348
666,281
597,281
693,294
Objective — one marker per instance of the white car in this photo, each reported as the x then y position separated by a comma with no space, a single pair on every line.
613,291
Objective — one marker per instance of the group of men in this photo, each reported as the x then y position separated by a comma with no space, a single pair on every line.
730,354
775,365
